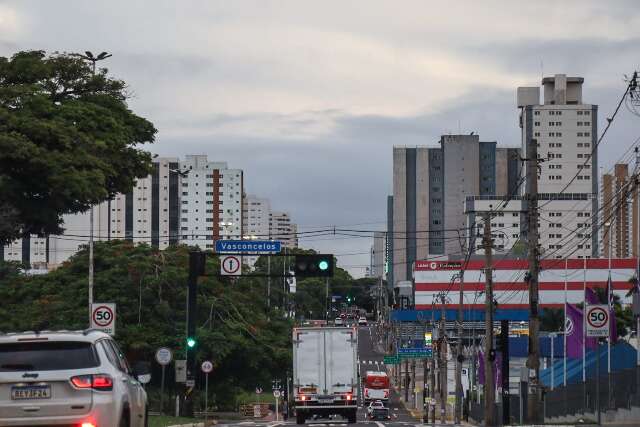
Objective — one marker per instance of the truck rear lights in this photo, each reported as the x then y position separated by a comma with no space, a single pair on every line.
386,393
302,397
87,425
99,382
349,397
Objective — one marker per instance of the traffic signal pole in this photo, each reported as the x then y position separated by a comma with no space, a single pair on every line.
196,268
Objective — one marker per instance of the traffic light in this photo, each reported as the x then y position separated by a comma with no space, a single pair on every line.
318,265
191,342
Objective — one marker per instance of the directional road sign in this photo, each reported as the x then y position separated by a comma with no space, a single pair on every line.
248,246
103,317
415,353
597,320
230,265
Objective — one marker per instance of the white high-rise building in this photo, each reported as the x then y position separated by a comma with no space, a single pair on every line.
255,220
148,214
565,129
281,228
210,202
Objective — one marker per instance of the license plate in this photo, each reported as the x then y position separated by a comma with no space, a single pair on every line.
31,392
325,400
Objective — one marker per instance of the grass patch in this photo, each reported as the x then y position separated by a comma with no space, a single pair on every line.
164,421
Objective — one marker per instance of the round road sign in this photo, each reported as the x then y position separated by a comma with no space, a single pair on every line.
231,265
276,393
102,316
597,317
258,390
164,356
207,366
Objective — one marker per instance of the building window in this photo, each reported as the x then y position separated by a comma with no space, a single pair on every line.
536,113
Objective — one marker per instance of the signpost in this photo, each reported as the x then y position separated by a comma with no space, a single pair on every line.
597,325
415,353
206,367
103,317
257,410
230,265
181,371
597,320
237,246
163,357
391,360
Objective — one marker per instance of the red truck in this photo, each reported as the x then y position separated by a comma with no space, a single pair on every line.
376,386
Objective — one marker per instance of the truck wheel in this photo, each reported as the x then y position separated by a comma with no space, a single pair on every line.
300,418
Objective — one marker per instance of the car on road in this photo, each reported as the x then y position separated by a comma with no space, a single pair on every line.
377,411
68,378
338,322
362,321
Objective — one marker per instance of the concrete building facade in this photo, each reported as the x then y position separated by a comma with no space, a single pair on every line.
281,228
430,185
620,211
565,129
211,202
378,255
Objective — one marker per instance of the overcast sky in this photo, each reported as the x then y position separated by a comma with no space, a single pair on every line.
308,97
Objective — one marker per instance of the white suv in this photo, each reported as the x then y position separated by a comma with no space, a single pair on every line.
79,379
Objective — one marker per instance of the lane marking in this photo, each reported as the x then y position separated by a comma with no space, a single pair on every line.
379,424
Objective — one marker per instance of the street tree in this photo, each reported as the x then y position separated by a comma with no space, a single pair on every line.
68,140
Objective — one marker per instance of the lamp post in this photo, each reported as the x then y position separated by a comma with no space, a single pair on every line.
88,56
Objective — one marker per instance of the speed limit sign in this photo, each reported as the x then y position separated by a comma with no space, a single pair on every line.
103,317
597,321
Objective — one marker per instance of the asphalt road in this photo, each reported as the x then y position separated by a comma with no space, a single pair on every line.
368,356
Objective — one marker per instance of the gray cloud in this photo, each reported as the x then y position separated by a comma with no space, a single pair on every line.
309,97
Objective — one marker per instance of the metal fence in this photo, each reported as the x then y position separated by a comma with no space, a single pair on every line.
619,390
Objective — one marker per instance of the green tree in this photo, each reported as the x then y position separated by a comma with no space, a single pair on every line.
247,346
68,140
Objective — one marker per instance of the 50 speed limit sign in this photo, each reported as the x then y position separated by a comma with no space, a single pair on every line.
597,320
103,317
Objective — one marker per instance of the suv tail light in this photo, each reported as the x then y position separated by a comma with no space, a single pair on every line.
101,382
386,393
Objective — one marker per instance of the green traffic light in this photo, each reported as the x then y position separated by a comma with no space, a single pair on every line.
191,342
323,265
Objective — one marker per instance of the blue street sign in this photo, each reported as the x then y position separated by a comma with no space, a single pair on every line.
247,246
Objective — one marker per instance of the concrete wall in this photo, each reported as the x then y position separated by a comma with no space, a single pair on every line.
461,165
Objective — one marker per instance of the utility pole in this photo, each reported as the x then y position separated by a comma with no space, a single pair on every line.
459,355
533,360
489,352
432,368
443,362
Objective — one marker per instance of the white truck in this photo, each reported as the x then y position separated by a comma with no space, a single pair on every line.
325,372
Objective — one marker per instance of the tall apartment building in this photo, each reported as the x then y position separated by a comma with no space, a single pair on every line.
430,185
620,211
255,220
565,129
377,255
210,202
148,214
281,228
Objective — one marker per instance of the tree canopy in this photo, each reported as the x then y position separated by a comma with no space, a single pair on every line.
68,140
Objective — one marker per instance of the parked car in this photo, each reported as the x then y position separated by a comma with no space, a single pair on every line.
362,321
68,378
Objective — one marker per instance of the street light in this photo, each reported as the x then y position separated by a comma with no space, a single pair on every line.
88,56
